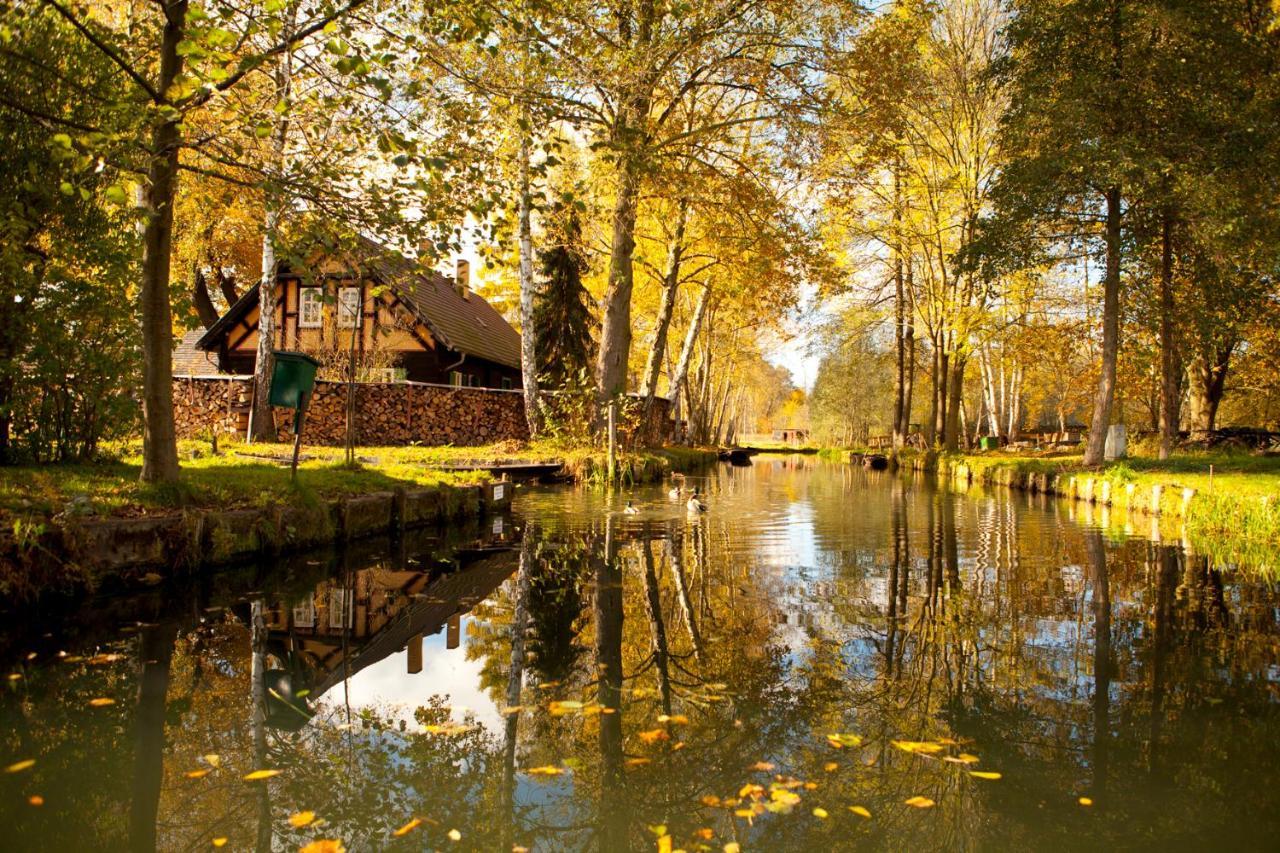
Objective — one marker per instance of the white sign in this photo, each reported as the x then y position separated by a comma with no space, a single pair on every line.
498,491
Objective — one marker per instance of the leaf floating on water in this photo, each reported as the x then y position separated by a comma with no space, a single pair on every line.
831,766
260,774
101,702
762,767
820,812
212,760
447,729
99,660
19,766
559,709
198,774
408,827
511,710
674,719
653,735
706,833
962,758
732,847
920,803
324,845
220,841
35,800
861,811
711,801
664,844
636,762
917,747
454,835
984,774
841,741
14,676
548,770
1085,801
301,819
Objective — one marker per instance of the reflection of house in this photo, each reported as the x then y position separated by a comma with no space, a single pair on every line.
791,435
413,324
345,625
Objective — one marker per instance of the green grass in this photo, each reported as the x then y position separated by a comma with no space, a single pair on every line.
239,476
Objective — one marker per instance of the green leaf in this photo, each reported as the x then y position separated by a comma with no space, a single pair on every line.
116,194
66,188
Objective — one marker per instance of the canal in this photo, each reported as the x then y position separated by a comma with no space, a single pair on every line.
827,658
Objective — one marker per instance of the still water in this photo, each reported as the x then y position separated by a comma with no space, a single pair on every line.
827,659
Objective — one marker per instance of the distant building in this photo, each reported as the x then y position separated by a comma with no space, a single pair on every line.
791,436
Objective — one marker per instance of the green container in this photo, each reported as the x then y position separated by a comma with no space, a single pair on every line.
989,442
292,379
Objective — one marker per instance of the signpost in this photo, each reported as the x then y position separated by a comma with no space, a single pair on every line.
292,380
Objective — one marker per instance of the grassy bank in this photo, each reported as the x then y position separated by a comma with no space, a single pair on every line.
1229,502
245,476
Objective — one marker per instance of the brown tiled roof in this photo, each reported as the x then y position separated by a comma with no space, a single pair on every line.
188,360
466,324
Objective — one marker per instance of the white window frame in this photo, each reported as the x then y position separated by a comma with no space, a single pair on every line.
349,315
308,298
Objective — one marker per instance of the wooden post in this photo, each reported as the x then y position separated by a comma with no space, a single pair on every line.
453,632
414,662
297,434
613,440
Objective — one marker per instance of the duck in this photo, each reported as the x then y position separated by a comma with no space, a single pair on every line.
695,504
630,509
677,488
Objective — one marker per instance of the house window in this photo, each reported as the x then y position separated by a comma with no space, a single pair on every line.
348,307
456,379
311,312
506,383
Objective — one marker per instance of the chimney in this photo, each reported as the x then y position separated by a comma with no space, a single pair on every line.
462,278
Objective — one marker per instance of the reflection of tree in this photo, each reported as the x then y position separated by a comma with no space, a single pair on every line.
608,624
155,652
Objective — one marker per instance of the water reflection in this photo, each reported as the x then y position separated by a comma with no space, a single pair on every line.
740,676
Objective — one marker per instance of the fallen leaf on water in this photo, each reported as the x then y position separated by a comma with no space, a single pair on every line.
841,740
664,844
762,766
35,800
811,786
732,847
920,802
301,819
260,774
819,812
984,774
512,709
653,735
447,729
212,760
711,801
101,702
831,766
636,762
14,676
559,709
918,747
19,766
962,758
1085,801
98,660
675,719
706,833
408,827
221,841
198,774
454,835
548,770
860,811
324,845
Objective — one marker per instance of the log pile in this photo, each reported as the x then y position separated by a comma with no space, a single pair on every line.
385,414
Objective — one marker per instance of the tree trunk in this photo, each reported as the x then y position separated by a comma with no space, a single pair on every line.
1014,427
1170,370
528,294
671,287
159,440
200,296
686,352
263,424
909,353
955,392
156,654
899,314
1105,397
1208,382
615,325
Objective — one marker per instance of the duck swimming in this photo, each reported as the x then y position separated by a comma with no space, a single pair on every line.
631,509
677,487
695,503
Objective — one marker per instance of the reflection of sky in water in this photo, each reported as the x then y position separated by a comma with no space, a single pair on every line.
388,686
